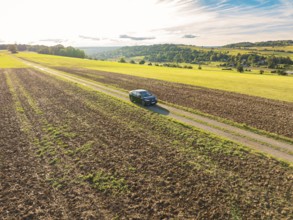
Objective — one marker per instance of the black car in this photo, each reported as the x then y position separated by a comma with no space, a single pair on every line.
142,96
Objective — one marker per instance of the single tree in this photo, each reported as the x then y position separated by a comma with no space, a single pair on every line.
12,48
261,72
240,68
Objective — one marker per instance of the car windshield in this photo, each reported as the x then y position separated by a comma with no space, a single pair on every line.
145,94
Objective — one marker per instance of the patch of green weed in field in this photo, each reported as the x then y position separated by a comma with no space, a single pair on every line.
53,161
85,148
70,152
106,182
56,183
19,108
235,213
131,169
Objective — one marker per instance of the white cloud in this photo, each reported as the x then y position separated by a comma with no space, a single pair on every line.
89,38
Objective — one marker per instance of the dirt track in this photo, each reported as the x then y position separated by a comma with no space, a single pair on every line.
269,115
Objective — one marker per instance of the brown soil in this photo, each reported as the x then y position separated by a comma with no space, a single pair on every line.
24,193
265,114
157,169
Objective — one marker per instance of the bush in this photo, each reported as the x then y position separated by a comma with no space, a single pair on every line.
187,67
122,60
141,62
240,68
282,72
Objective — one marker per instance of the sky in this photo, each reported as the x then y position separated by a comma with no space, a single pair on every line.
144,22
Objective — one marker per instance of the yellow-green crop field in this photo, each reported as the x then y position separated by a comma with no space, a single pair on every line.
7,61
285,48
268,86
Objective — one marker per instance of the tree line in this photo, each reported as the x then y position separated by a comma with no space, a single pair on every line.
165,53
253,59
58,50
182,54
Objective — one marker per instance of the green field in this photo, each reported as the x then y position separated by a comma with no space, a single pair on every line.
268,86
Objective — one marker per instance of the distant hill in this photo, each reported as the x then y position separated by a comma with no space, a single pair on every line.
278,43
173,53
162,53
92,51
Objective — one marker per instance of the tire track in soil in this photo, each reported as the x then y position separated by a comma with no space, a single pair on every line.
244,137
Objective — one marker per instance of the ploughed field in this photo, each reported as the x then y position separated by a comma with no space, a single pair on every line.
265,114
68,152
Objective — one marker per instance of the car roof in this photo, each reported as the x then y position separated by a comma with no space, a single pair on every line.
139,90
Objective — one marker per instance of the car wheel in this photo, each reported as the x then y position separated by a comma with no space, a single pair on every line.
143,103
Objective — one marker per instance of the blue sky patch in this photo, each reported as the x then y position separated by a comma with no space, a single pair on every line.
240,3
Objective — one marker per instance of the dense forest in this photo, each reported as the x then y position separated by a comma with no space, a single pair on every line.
58,50
183,54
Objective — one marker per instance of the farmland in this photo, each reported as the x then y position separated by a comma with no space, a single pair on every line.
98,157
266,86
146,110
7,61
78,153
